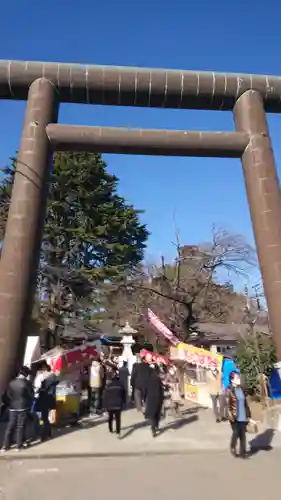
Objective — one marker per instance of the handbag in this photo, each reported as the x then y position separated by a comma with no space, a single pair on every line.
252,427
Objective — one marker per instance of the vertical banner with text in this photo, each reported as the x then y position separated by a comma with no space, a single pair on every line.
161,328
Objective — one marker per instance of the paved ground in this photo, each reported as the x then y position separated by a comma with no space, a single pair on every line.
194,431
198,477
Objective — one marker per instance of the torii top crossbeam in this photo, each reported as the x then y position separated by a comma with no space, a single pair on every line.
126,86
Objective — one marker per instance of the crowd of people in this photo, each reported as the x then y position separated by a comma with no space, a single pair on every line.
150,386
30,397
111,389
153,385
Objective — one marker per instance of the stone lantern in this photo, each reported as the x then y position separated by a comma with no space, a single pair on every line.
127,341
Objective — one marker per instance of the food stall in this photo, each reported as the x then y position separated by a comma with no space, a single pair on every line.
193,363
68,366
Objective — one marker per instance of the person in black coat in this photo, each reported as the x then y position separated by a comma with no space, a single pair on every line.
154,400
124,375
114,400
139,381
20,399
46,400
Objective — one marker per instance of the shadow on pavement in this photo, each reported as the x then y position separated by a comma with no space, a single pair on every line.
174,425
262,442
57,432
190,411
178,424
132,428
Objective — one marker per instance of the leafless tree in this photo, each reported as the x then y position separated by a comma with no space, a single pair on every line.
188,290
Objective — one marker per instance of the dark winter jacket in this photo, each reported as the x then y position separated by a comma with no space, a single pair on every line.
47,394
124,376
154,396
20,394
140,376
114,396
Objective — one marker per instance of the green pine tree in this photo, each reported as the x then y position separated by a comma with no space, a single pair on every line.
91,234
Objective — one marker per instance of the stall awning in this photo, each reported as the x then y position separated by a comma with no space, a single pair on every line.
62,360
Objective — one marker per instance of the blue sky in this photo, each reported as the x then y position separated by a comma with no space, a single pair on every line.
219,36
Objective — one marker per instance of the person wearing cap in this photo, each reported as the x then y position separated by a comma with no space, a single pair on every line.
20,396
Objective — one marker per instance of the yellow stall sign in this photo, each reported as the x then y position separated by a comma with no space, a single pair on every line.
196,356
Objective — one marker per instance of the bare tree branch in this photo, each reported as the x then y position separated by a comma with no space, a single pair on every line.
189,290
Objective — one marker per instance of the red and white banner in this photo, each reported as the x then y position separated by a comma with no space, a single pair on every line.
155,358
161,328
61,360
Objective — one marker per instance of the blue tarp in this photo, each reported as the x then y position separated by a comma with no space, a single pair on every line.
228,366
275,385
111,340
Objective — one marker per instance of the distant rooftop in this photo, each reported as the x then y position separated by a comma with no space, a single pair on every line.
228,331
